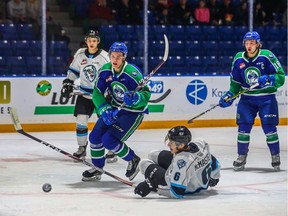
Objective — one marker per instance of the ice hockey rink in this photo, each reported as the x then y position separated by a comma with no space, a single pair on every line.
25,165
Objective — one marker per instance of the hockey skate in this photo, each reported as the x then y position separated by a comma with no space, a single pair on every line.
111,157
276,162
239,163
91,175
81,152
133,168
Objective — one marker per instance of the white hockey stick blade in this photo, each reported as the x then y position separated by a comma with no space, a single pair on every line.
166,48
15,119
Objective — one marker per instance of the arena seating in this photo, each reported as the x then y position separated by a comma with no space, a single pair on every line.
193,49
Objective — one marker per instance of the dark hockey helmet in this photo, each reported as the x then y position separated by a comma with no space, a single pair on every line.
179,134
92,34
119,47
252,36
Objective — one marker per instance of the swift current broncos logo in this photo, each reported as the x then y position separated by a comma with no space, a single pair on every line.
44,88
118,90
181,163
90,72
196,92
252,75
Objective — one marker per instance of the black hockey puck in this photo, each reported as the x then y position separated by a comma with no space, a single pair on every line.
46,187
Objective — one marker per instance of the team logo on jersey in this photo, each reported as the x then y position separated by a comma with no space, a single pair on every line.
196,92
90,72
118,90
181,163
242,65
109,79
84,61
252,75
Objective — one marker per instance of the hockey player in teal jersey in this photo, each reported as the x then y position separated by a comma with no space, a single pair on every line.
110,132
249,67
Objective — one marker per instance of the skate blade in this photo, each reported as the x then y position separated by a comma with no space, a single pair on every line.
111,160
78,161
237,169
94,178
276,168
134,174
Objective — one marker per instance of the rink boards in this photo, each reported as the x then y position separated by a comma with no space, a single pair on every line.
41,108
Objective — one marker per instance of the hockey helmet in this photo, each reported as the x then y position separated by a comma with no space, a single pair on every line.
251,36
92,34
179,134
119,47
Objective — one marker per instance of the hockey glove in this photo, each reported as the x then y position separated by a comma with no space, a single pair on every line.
213,182
108,117
144,188
131,99
67,88
226,100
266,80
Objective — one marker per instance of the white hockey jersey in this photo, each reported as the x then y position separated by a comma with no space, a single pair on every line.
190,172
85,66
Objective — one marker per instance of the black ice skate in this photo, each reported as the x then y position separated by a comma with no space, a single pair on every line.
276,162
133,168
239,163
91,175
111,157
81,152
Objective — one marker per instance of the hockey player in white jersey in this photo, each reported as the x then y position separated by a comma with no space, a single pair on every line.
85,65
187,168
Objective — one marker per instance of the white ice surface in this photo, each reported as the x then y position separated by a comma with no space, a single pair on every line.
25,165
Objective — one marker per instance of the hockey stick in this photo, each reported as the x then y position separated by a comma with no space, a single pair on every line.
162,97
19,129
157,100
213,107
144,82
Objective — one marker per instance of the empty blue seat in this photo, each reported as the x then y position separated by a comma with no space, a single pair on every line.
226,33
21,48
277,47
227,48
5,48
211,48
226,63
26,32
3,66
273,33
126,32
56,66
9,31
34,64
177,47
159,31
158,47
194,32
239,32
176,63
138,61
17,65
177,32
154,61
211,32
194,63
212,64
193,47
59,48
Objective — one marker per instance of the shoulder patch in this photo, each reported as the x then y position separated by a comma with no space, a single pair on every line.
271,56
181,163
134,73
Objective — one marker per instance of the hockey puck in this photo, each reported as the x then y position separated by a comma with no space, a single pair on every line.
46,187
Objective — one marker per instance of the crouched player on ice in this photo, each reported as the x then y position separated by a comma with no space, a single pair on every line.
187,168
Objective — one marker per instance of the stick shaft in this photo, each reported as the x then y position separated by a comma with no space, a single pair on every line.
213,107
19,129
